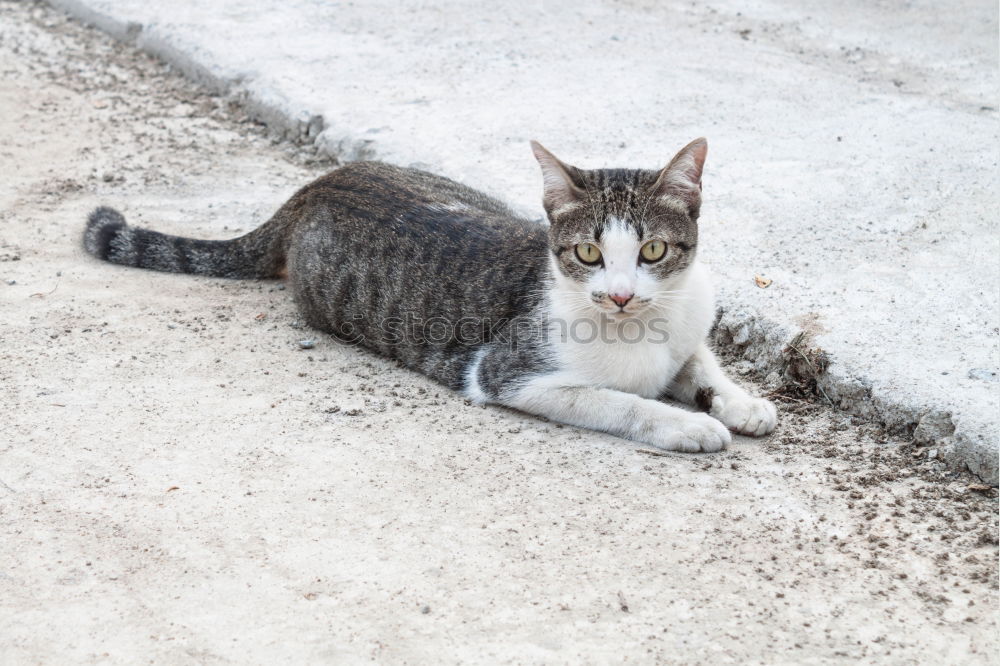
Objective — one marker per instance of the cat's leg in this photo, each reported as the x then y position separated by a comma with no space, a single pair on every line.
702,382
618,413
623,414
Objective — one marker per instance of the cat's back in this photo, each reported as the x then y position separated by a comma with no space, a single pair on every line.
410,208
375,243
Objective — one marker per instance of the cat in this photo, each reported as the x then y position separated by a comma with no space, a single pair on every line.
592,321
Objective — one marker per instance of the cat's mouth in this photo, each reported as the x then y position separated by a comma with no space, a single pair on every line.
622,311
607,305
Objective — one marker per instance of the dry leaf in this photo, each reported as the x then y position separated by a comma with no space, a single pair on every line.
762,281
173,488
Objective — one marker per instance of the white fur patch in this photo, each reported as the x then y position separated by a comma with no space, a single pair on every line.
593,350
620,248
451,207
473,391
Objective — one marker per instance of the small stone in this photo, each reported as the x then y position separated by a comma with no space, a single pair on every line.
932,454
933,427
425,610
12,282
983,374
307,344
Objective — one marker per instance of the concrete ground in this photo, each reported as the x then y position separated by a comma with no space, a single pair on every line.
852,161
180,483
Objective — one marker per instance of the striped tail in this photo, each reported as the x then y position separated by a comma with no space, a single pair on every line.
258,254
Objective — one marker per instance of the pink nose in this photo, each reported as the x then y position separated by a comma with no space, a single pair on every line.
621,298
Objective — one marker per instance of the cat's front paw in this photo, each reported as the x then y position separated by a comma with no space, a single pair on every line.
692,434
745,415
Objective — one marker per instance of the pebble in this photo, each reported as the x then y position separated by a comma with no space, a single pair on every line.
307,344
12,282
983,374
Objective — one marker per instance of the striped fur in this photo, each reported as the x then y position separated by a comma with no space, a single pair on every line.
259,254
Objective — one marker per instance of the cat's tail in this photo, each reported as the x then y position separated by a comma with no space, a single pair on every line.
258,254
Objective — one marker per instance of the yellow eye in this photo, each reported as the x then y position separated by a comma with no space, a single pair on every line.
588,253
653,250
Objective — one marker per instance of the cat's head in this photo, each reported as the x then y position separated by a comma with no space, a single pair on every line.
621,237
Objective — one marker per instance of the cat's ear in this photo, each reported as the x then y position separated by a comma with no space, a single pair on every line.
562,190
682,177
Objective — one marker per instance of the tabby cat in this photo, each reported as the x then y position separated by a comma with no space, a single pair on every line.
592,321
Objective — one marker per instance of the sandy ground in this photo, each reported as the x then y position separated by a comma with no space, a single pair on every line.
180,482
852,155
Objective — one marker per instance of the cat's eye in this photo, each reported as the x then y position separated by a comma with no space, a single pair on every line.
653,250
588,253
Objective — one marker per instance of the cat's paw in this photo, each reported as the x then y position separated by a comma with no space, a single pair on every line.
692,434
745,414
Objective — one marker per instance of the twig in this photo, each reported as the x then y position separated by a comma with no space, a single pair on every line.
784,396
43,295
650,452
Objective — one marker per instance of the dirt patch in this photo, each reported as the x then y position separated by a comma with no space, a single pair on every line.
178,467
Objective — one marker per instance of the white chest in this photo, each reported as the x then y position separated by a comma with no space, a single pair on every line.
643,368
640,356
